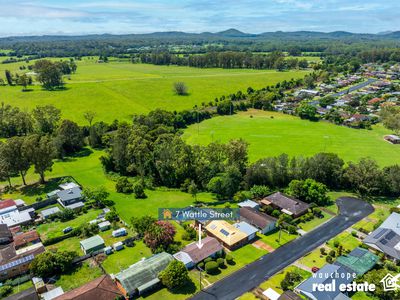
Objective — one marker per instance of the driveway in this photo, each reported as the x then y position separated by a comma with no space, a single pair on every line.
351,210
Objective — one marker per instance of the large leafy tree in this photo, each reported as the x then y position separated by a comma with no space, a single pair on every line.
175,275
49,74
142,224
69,137
16,156
41,151
50,263
159,236
309,191
46,118
364,177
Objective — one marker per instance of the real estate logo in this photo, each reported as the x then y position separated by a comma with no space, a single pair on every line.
390,282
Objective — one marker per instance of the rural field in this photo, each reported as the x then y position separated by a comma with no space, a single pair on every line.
119,89
272,133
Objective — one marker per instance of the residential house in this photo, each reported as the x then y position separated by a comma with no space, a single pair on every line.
289,295
26,238
287,204
92,244
6,236
102,288
143,275
69,196
249,203
326,275
360,261
386,238
192,254
230,237
246,228
263,222
11,216
14,262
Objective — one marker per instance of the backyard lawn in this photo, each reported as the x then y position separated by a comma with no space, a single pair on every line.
79,276
314,259
348,241
120,260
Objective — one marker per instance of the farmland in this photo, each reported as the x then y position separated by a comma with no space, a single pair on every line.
119,89
271,133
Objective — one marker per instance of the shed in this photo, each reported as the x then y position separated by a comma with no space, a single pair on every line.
92,244
46,213
68,185
271,294
118,246
119,232
53,194
108,250
185,259
76,206
103,226
50,295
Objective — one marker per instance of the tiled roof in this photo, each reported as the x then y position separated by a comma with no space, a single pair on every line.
288,203
210,246
256,218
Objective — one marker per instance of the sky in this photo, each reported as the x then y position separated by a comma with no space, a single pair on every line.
77,17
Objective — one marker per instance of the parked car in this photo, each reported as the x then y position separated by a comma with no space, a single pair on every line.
67,229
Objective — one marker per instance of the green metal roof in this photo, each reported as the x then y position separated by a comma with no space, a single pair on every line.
359,260
144,273
92,242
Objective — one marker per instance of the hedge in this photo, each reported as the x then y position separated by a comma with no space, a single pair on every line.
211,267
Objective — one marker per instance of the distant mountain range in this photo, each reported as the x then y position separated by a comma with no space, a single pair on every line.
226,34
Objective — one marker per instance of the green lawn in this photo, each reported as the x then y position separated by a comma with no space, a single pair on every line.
22,287
348,241
117,90
242,257
272,133
120,260
308,226
54,228
314,259
248,296
79,276
272,239
274,281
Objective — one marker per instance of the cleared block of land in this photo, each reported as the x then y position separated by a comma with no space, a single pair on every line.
117,90
272,133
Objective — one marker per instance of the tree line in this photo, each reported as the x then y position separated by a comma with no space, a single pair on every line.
226,60
152,150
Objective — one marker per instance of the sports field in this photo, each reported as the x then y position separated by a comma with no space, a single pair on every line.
271,133
119,89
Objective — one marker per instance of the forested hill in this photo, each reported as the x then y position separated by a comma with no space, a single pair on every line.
182,42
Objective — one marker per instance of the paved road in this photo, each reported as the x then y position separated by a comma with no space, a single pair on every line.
354,88
351,210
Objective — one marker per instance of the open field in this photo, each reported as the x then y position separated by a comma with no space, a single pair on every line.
272,133
117,90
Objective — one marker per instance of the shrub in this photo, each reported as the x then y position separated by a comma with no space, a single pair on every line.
208,259
322,250
180,88
5,290
354,233
138,189
211,267
329,259
332,253
123,185
175,275
221,262
275,213
200,265
229,259
292,229
336,243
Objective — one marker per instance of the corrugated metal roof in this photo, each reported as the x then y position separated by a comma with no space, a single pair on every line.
92,242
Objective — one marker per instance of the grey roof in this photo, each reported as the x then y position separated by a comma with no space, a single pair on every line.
183,257
248,203
70,194
210,247
50,211
75,205
323,276
29,294
50,295
246,228
92,242
144,273
288,203
386,237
